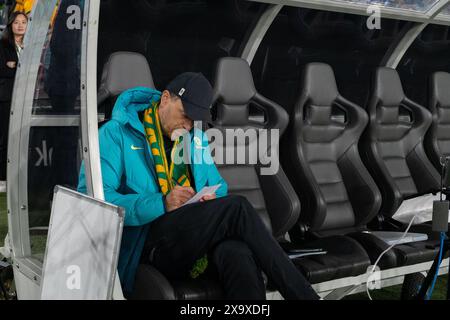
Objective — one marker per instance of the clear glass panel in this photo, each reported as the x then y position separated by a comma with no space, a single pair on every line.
429,53
446,10
3,15
175,35
414,5
58,82
53,154
299,36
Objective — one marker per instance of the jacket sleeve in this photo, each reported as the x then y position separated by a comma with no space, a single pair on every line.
5,71
140,209
215,178
213,174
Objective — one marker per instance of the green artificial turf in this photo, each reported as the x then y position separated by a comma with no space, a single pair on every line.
393,293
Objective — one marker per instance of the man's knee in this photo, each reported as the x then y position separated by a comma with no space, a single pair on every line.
232,252
233,248
234,199
237,207
238,202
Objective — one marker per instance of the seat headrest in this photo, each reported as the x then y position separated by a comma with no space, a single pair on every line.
388,87
122,71
234,82
235,94
440,88
320,84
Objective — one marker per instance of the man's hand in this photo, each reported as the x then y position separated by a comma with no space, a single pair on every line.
11,64
177,197
208,197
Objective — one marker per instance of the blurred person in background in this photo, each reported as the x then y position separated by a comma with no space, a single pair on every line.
11,46
62,82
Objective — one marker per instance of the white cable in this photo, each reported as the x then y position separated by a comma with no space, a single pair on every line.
385,251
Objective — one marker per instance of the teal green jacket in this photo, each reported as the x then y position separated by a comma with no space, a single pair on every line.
129,176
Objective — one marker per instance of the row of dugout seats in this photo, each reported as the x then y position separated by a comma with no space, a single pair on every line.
348,168
322,153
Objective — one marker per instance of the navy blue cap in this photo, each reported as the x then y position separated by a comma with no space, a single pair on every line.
196,94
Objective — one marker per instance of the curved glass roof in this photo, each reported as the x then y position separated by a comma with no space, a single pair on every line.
413,5
422,11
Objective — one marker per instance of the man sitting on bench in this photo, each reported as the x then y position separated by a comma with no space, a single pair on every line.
142,174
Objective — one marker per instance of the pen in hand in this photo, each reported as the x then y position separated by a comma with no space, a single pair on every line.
178,197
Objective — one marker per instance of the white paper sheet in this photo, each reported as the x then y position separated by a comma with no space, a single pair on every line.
206,191
422,206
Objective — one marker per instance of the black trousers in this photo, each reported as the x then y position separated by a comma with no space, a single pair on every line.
4,127
233,235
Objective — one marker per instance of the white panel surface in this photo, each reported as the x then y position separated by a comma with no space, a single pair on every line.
82,248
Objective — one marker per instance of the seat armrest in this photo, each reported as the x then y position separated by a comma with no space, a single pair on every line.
283,205
424,174
390,193
362,191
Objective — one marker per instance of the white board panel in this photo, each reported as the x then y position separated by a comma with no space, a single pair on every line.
82,248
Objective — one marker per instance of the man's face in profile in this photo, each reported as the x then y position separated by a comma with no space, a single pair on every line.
172,115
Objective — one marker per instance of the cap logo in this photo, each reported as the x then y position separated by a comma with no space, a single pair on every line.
182,90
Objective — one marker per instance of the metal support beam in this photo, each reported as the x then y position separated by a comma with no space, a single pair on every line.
398,49
19,129
340,293
258,33
26,269
89,117
58,120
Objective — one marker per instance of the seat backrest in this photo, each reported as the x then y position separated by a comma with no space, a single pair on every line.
437,139
123,70
393,142
234,96
320,154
